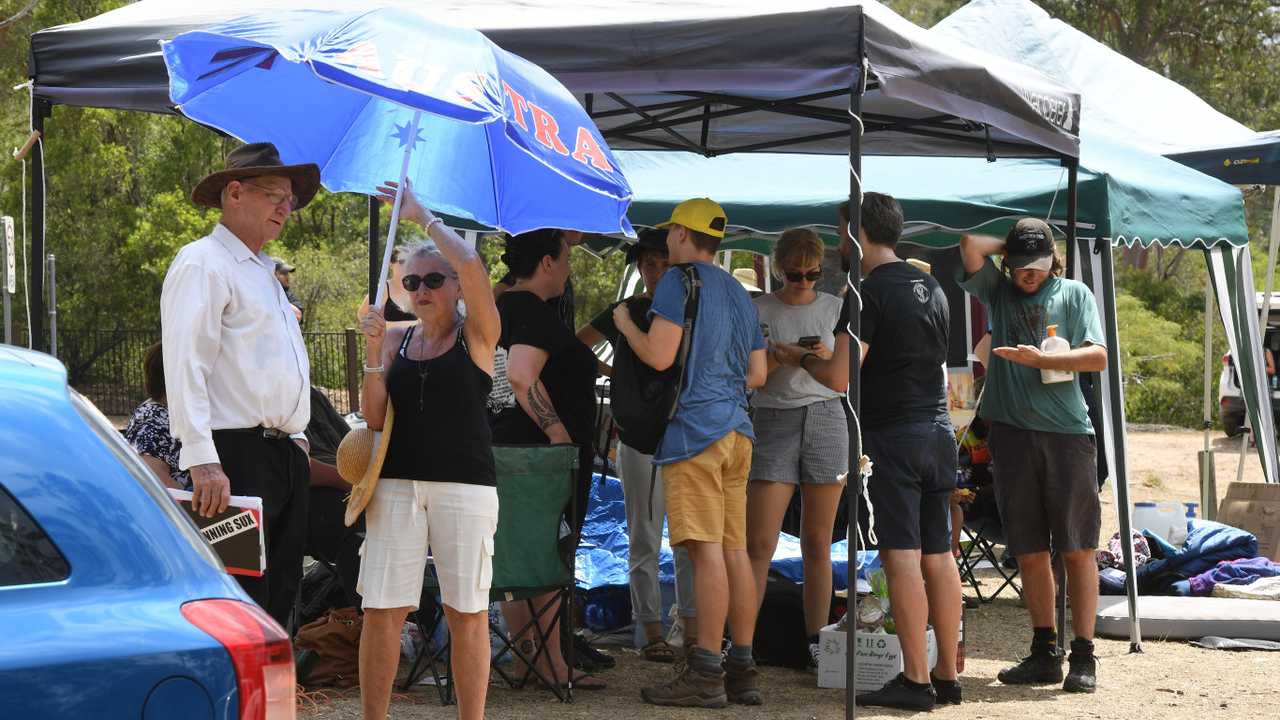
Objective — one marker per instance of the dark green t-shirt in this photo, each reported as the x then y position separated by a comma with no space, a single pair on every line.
1013,393
638,306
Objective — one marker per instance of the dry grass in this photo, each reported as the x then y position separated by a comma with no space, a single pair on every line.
1169,681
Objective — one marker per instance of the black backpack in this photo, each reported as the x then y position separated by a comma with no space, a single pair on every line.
644,400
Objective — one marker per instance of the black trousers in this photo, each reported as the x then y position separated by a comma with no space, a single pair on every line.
276,471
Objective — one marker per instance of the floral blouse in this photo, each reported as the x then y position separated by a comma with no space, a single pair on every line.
148,433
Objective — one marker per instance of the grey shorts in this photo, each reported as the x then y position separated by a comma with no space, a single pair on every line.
806,445
1046,488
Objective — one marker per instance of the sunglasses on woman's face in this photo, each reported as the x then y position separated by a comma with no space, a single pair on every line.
433,281
811,276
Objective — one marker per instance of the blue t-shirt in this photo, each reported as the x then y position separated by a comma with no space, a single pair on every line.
725,332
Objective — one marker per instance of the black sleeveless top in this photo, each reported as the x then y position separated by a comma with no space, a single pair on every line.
394,313
441,429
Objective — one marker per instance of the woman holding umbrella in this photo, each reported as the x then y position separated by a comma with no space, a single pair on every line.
437,482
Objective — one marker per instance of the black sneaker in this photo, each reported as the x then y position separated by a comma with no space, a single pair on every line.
1082,673
897,693
588,659
948,691
1041,667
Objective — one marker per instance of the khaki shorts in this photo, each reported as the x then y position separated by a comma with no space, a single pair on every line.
706,494
404,517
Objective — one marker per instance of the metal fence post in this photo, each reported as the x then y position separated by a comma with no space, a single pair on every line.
353,371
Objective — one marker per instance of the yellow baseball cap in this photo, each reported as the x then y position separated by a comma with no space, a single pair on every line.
701,214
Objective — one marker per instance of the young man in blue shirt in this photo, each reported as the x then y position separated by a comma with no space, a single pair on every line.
705,454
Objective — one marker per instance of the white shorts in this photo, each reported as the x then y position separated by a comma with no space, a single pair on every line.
404,517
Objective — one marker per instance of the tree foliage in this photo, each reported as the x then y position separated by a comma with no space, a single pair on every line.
118,186
1162,368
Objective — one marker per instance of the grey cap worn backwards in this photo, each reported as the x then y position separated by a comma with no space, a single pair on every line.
1029,245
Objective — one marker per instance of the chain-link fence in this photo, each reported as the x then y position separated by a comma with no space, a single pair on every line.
106,366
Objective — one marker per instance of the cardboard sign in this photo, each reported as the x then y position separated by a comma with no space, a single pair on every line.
235,534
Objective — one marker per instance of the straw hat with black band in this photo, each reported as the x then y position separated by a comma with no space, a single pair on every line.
257,160
359,461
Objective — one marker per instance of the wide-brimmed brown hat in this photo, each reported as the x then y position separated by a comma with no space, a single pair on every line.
256,160
359,461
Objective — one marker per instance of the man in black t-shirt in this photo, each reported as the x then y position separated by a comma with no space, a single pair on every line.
907,434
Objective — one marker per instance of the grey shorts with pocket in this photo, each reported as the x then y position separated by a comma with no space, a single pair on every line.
806,445
1046,488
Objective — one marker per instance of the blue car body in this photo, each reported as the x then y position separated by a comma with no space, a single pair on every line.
108,640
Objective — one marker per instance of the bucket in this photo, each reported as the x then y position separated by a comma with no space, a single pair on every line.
1165,520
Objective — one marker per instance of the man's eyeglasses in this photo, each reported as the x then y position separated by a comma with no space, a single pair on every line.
433,281
811,276
275,197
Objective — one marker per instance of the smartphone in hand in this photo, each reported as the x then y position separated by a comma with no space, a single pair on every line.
809,341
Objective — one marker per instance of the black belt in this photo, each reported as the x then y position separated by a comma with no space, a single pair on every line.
265,432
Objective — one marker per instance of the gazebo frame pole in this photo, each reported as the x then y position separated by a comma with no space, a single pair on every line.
854,483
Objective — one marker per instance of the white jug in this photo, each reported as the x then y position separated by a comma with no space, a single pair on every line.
1165,520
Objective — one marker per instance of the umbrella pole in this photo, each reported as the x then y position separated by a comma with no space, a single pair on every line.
395,211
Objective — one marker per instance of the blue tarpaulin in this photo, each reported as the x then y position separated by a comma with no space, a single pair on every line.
603,553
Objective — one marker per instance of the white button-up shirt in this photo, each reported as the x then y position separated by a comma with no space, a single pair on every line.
233,351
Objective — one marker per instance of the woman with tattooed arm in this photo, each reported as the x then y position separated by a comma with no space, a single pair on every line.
548,395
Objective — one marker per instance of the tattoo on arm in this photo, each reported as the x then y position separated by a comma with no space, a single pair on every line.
544,413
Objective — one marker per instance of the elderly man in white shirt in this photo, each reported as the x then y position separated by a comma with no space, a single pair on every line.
236,370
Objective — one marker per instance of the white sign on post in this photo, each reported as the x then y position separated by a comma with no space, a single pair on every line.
10,274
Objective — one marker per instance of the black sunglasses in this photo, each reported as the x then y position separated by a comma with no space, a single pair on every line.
812,276
433,281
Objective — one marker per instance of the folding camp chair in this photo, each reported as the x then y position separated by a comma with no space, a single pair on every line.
533,555
983,534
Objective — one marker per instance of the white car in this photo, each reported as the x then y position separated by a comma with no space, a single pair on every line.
1230,404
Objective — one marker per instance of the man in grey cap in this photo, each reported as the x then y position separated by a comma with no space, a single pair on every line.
1042,443
284,273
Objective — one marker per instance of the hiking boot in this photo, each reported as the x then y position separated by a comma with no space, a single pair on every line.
948,691
682,660
690,688
742,684
1082,672
1042,667
901,694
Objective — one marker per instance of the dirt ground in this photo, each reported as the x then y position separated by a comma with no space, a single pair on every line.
1169,680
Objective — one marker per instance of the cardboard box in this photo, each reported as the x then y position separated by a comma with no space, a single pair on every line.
879,658
1254,507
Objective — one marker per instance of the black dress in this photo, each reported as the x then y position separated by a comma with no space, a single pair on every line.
569,376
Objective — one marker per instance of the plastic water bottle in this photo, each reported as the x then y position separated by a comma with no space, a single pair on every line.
1054,345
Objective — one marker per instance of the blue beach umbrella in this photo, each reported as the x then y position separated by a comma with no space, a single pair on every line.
482,133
